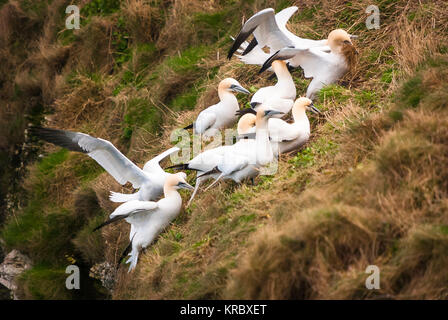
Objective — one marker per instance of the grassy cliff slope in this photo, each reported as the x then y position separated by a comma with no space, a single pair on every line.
370,187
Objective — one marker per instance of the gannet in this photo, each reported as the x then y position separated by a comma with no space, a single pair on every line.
222,114
279,97
245,158
209,159
324,67
269,30
149,218
288,136
149,181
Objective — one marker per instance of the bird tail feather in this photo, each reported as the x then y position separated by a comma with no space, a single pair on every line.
122,197
133,259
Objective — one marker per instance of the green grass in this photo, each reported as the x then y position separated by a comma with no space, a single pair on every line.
142,114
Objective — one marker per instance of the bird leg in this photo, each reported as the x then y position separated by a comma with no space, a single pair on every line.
219,178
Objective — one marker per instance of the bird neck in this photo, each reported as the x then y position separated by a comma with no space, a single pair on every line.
264,153
225,95
282,73
300,117
170,192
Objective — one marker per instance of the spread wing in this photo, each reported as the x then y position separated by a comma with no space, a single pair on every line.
153,165
132,211
265,29
102,151
313,61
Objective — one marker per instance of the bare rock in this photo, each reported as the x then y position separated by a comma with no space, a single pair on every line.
104,272
12,266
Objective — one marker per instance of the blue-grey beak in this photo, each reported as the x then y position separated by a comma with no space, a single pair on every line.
313,109
184,185
237,88
270,113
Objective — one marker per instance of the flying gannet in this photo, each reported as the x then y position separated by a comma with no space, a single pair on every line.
222,114
149,181
280,96
287,136
269,30
148,218
324,67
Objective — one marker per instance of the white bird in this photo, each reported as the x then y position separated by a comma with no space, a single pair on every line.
280,96
324,67
206,161
149,218
222,114
245,158
286,136
149,181
269,30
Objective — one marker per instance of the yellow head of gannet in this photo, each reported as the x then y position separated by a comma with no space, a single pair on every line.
339,39
246,123
263,115
175,182
280,67
230,85
301,105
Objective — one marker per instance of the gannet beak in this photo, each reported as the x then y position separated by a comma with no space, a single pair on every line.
314,109
184,185
237,88
270,113
353,36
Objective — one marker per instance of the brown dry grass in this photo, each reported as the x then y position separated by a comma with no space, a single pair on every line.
308,232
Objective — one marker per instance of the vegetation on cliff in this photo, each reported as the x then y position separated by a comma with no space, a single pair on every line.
370,187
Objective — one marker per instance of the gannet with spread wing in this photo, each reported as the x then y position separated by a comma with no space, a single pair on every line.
148,218
149,181
324,67
269,30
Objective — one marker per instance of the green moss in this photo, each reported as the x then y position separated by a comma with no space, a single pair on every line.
387,76
100,7
142,114
44,283
334,92
211,27
188,59
411,93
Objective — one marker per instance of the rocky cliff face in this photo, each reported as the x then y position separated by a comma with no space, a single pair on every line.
12,266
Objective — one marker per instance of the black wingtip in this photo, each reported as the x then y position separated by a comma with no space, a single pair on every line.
242,36
251,45
242,112
182,166
213,171
268,62
190,126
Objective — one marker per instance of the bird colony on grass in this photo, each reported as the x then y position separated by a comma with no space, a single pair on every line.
263,131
